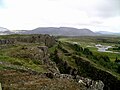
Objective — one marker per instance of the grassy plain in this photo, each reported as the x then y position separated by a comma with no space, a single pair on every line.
90,42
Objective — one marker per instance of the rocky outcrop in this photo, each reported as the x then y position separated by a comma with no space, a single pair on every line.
44,39
90,84
63,66
86,69
73,73
47,40
38,54
7,41
86,82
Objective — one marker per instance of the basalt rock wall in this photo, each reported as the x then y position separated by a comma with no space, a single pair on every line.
44,39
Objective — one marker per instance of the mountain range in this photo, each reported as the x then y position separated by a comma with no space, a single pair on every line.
61,31
56,31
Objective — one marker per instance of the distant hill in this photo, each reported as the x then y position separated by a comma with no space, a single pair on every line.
105,32
4,31
108,33
64,31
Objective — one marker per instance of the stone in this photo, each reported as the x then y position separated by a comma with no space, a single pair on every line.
90,84
49,75
44,49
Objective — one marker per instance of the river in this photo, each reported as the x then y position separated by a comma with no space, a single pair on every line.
102,48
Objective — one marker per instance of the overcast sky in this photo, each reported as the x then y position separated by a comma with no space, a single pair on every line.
97,15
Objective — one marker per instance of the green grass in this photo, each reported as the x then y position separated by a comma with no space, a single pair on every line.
92,41
22,62
2,67
12,36
52,49
5,56
92,48
70,61
112,56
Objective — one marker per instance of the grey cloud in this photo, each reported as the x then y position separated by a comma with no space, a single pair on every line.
109,8
103,8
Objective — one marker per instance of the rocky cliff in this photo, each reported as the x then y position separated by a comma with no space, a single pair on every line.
41,39
74,64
